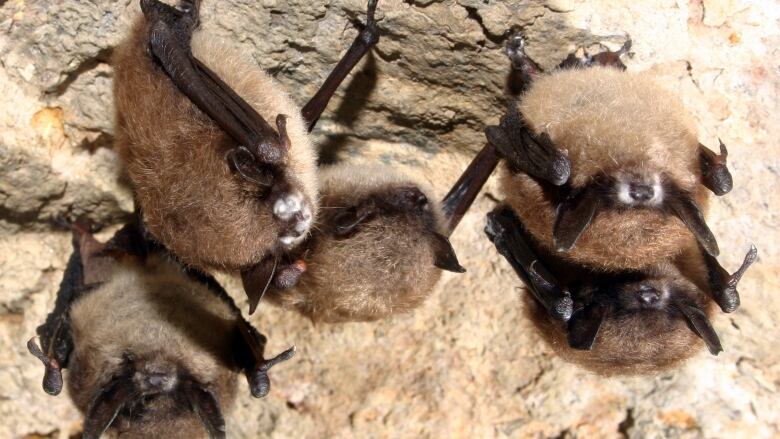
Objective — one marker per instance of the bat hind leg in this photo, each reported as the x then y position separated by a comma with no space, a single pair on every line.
527,152
366,39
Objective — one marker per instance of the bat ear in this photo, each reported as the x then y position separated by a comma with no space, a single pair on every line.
584,326
106,407
243,162
256,280
702,327
444,255
714,170
689,213
573,217
206,407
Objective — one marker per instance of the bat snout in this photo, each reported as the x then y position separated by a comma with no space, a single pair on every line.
155,379
649,298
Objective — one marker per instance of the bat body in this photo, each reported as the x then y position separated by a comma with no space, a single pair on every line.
643,331
215,182
628,139
152,349
375,248
175,155
620,322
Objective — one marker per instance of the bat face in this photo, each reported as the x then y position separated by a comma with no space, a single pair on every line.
630,323
635,193
214,202
377,249
141,365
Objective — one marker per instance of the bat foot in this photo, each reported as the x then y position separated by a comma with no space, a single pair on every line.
370,32
605,58
259,382
524,70
294,213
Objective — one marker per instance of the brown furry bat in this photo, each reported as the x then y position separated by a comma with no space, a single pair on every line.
217,185
380,243
604,166
619,323
141,364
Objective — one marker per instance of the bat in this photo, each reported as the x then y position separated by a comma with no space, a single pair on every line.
603,164
623,322
139,363
380,243
216,183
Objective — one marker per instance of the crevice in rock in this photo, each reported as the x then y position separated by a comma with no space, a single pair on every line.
689,69
101,140
627,423
473,14
535,380
102,57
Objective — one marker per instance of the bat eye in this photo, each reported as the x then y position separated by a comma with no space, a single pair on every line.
641,192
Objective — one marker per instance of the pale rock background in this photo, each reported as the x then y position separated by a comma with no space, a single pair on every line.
466,363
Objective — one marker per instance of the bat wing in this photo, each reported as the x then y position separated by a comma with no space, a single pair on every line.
170,33
512,241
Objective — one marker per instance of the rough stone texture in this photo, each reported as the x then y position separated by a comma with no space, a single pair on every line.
466,363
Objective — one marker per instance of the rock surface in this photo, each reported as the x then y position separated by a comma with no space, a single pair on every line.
467,363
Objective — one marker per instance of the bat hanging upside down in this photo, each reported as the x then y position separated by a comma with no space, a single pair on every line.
216,183
380,243
603,165
152,348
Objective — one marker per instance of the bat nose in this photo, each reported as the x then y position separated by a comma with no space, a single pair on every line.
160,381
641,192
649,297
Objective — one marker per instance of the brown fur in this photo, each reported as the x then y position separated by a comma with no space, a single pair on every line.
384,268
609,120
639,343
175,156
164,321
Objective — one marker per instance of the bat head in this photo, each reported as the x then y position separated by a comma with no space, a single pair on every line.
632,323
378,247
152,353
152,396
